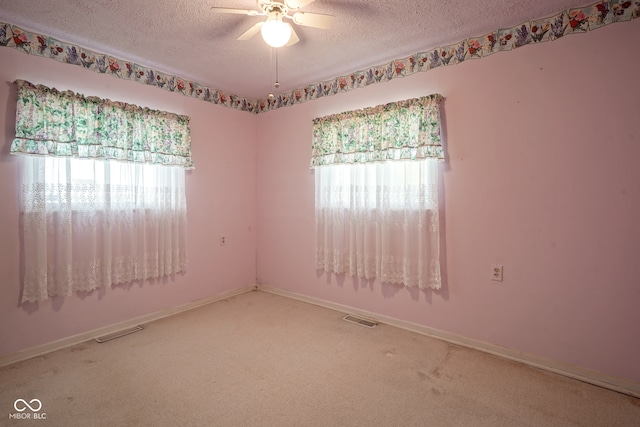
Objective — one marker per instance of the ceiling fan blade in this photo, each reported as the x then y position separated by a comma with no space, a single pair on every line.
315,20
250,32
235,11
297,4
294,37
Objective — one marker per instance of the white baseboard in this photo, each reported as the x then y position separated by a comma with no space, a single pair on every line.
117,327
592,377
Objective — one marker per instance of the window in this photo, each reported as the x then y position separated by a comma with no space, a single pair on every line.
376,173
103,191
396,185
81,184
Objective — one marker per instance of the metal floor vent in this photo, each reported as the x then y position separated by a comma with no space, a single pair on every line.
119,334
360,321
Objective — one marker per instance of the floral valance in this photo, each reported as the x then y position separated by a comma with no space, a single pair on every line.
404,130
62,123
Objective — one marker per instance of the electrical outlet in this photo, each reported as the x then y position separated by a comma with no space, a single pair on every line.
223,240
496,272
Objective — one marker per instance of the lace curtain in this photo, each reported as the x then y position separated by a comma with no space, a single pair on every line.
103,192
376,177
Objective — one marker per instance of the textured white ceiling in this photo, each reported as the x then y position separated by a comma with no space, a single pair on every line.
184,38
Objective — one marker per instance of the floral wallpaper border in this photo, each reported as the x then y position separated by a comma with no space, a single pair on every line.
571,21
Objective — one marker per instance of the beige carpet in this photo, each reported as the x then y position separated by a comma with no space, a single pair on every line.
259,359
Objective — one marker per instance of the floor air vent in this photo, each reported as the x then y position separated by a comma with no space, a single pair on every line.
360,321
119,334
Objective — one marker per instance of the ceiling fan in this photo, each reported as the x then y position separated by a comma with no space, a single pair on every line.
274,31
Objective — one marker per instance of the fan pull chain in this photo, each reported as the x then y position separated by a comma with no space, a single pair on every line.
270,70
277,83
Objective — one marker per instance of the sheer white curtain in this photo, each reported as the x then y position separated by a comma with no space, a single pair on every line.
376,172
379,220
103,197
90,223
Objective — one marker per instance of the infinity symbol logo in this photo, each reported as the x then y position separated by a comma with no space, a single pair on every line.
27,405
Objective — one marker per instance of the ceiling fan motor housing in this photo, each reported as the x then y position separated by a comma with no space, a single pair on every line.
269,7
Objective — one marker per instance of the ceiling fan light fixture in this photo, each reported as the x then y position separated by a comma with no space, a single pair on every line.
275,32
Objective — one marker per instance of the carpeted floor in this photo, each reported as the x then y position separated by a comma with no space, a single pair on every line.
259,359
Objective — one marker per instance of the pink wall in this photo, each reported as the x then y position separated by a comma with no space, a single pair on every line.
542,176
220,197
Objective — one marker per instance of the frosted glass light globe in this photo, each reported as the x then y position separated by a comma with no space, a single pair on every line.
275,32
